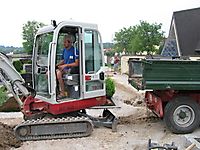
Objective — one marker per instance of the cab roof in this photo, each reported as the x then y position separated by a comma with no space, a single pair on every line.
50,28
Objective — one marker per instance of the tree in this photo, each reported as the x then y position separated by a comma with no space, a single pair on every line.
139,38
123,38
28,33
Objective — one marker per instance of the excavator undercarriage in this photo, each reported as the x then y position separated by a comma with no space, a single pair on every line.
54,128
71,125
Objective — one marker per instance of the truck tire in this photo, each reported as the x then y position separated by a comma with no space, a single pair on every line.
181,115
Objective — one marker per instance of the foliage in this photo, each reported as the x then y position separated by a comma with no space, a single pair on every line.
3,95
110,53
22,71
8,49
123,38
144,37
28,33
26,60
18,65
110,87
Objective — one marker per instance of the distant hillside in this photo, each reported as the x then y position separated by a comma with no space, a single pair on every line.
8,49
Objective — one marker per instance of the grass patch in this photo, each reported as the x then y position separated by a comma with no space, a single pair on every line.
3,95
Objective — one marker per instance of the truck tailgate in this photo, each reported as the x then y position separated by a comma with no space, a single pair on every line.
135,73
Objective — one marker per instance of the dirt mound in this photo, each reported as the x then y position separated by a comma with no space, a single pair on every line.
137,102
132,120
10,105
129,95
7,138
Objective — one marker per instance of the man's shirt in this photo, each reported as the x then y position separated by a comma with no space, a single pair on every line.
69,56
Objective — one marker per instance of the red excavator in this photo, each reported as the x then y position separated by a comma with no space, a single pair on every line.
46,116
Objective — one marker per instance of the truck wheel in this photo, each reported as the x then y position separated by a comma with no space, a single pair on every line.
181,115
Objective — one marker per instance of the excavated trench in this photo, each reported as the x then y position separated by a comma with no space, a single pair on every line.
7,138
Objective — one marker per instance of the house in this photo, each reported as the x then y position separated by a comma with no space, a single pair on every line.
184,34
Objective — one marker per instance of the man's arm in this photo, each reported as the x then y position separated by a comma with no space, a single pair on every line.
76,63
60,63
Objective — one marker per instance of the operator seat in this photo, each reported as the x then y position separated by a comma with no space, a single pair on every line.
72,83
72,78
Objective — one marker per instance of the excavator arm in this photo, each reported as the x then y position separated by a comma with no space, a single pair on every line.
12,79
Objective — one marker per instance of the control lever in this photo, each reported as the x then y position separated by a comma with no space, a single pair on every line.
42,70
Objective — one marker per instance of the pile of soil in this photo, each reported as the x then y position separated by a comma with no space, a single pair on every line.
129,95
7,138
137,102
132,120
10,105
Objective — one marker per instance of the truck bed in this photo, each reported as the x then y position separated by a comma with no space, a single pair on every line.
163,74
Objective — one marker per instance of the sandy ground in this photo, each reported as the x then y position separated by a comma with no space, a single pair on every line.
136,126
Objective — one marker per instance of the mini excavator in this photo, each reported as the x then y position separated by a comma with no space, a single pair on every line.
46,116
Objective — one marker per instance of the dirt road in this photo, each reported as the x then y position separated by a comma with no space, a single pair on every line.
136,126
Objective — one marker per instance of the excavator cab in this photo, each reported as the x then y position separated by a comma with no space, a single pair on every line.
83,82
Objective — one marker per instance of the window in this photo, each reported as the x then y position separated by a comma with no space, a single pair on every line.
93,54
93,58
43,48
64,31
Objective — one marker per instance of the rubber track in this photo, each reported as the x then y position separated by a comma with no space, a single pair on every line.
54,121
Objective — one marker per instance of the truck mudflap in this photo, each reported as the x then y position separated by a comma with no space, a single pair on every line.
154,103
54,128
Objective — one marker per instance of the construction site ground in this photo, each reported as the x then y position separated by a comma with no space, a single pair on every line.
136,126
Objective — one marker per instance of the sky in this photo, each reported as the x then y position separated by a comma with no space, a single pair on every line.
109,15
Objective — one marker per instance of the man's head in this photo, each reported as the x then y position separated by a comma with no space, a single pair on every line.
68,41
